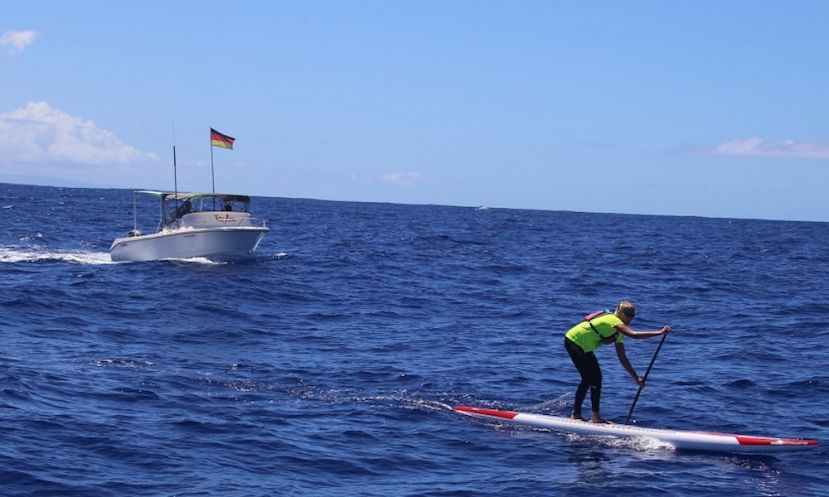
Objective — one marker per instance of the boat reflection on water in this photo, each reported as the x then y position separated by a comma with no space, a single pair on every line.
216,226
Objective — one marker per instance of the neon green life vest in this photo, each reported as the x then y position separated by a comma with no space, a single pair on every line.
589,339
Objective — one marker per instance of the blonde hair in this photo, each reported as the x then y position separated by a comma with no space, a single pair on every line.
626,308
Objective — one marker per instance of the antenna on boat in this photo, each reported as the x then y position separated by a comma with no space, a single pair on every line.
175,177
175,174
134,215
175,180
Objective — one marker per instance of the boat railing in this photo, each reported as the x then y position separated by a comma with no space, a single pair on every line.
215,219
220,222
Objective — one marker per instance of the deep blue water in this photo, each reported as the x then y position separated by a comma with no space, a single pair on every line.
325,367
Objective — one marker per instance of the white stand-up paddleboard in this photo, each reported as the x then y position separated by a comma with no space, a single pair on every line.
693,440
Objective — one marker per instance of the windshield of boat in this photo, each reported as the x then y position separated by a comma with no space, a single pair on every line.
212,203
206,203
176,208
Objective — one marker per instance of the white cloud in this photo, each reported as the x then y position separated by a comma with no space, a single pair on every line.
40,133
762,148
402,179
17,41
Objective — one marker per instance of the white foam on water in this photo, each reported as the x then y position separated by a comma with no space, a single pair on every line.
12,255
638,443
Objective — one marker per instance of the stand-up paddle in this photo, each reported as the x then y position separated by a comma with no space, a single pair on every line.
644,379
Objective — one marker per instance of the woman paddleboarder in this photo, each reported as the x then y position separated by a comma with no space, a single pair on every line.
597,329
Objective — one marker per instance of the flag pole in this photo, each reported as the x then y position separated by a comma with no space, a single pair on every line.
212,174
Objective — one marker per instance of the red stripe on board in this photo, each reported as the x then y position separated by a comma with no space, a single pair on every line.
745,440
486,412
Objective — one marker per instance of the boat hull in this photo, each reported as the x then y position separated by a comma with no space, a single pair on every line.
222,243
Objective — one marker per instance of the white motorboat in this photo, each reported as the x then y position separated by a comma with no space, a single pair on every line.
216,226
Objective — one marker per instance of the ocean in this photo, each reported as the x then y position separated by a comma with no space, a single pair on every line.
327,366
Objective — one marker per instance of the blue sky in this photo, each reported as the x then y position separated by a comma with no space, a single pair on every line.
656,107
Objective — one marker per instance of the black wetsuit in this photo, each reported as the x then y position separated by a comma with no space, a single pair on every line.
591,375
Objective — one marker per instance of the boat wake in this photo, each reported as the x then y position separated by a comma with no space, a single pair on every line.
197,260
241,260
13,255
16,255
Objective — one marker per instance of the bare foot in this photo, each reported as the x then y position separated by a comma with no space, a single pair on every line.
600,421
577,418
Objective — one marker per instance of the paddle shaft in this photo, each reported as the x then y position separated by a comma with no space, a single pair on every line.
645,378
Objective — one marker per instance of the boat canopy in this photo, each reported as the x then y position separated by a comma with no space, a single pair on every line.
175,205
182,196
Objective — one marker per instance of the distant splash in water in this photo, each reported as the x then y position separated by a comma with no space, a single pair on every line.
122,362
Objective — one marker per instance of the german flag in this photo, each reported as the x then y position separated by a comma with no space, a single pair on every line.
219,140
